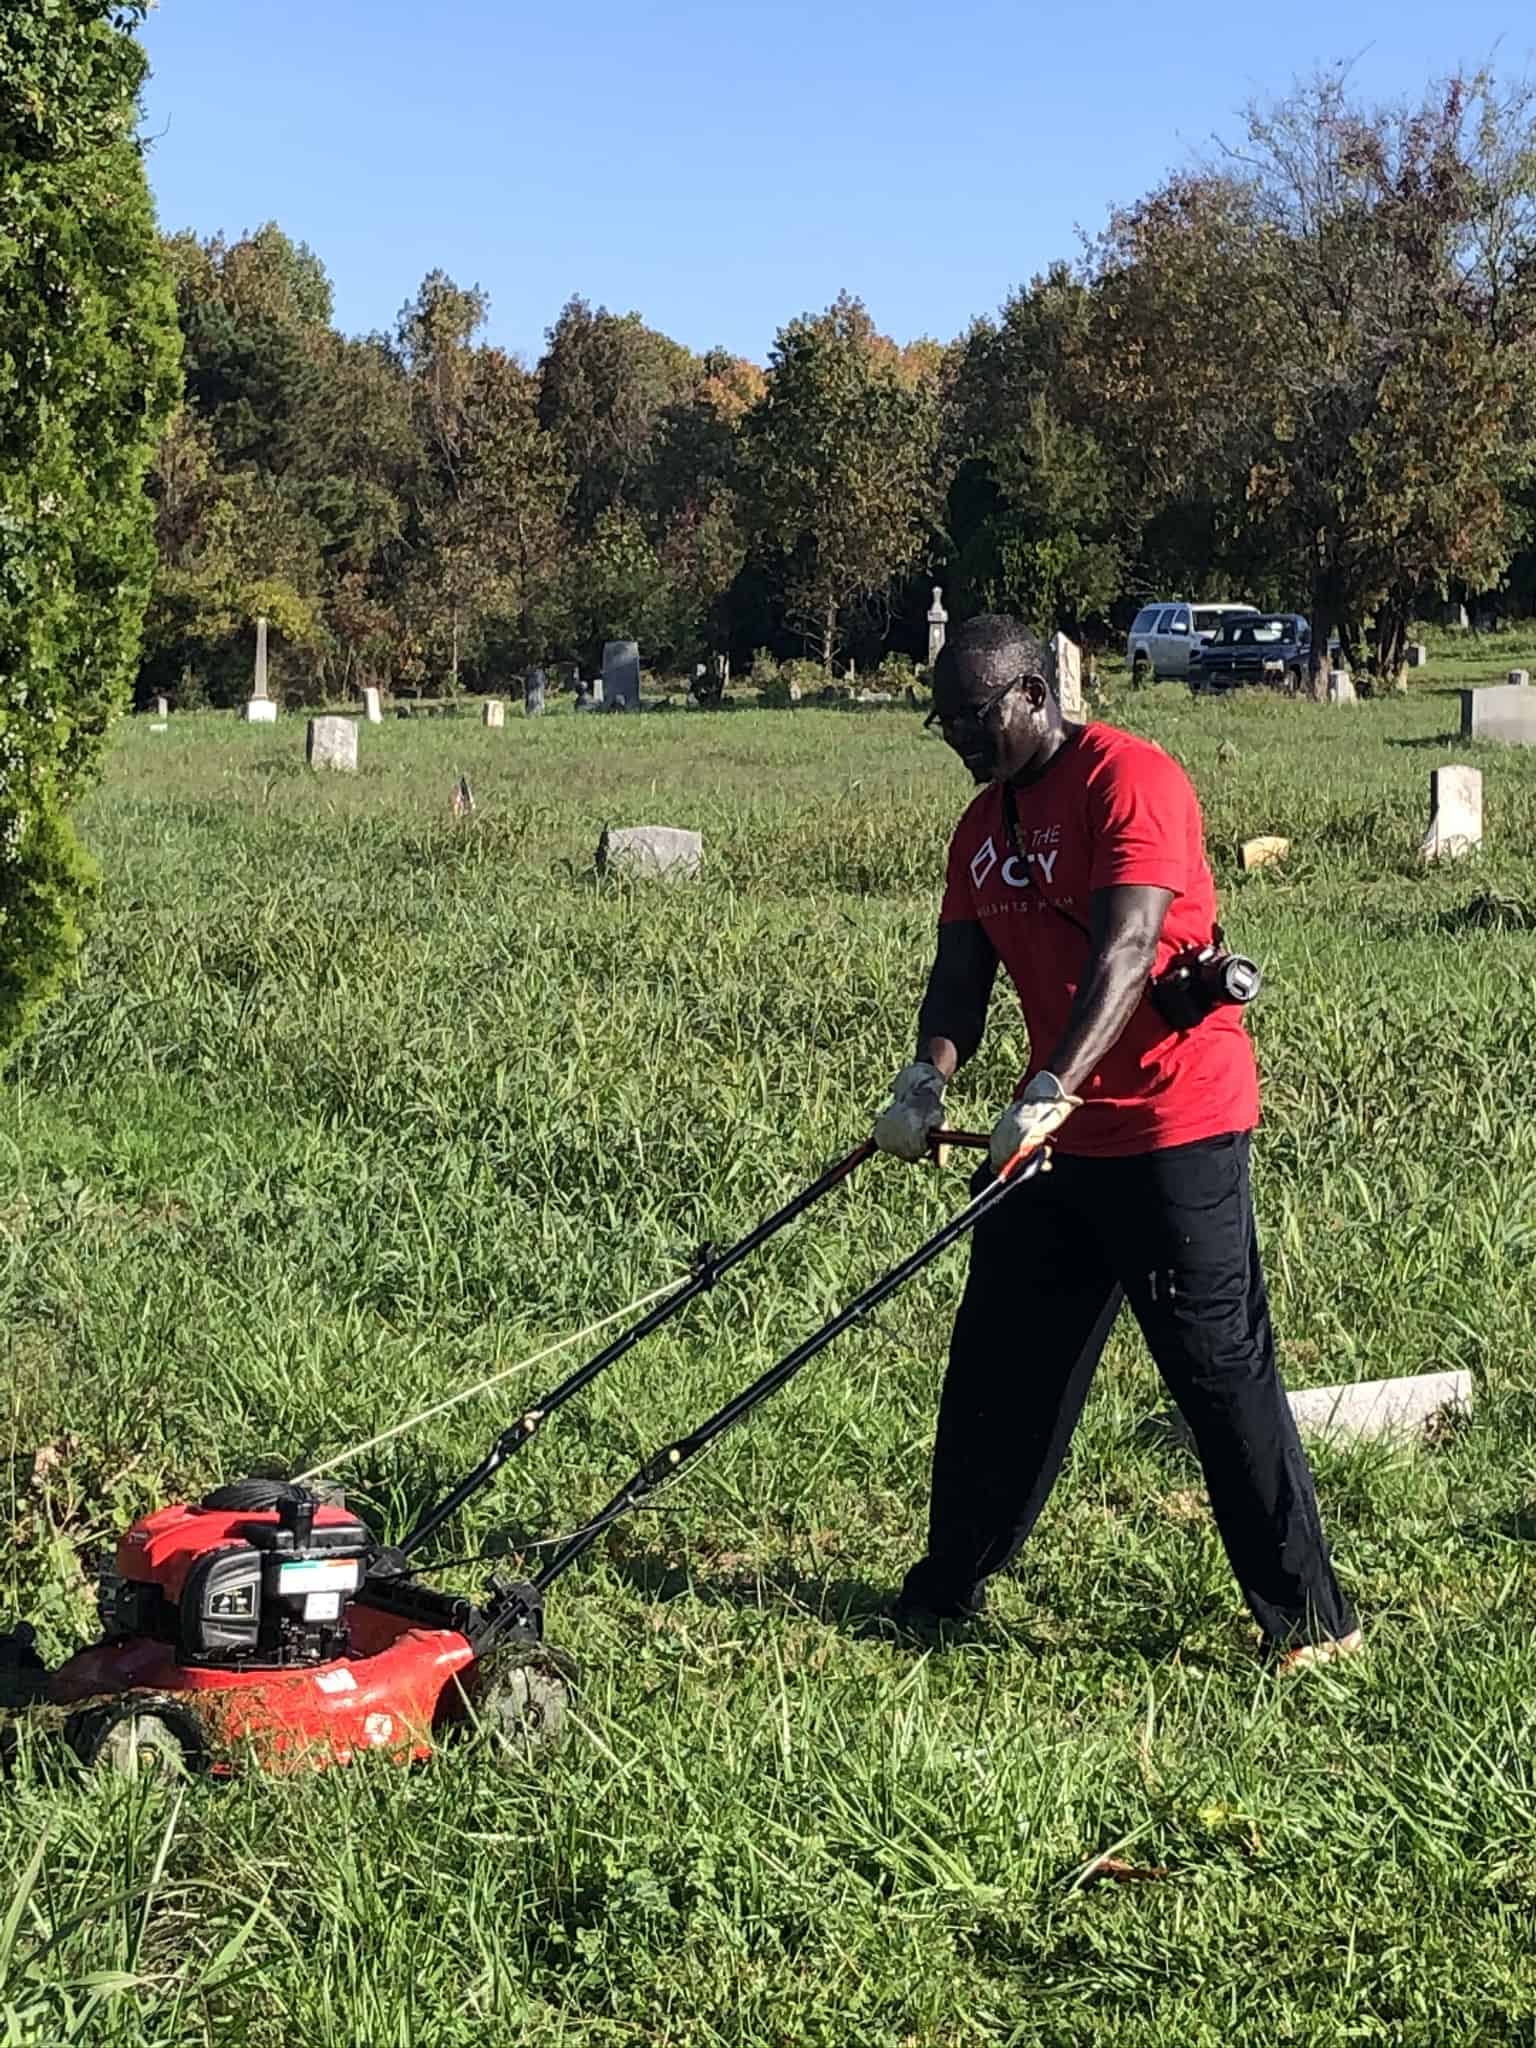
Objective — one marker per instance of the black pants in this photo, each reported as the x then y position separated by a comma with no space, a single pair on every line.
1173,1233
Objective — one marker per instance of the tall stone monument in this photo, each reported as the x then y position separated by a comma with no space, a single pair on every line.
260,710
533,694
938,624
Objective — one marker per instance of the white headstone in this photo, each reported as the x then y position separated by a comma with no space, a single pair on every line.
373,706
1382,1408
162,708
259,685
1067,675
1340,688
1455,813
589,696
1502,711
938,625
1518,678
493,712
158,726
657,850
260,711
331,743
1418,654
621,675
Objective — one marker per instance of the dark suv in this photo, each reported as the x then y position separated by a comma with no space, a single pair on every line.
1274,648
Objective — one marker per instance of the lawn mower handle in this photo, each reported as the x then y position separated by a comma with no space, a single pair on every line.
661,1467
710,1265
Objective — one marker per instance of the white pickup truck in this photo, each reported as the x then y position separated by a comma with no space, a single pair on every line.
1161,636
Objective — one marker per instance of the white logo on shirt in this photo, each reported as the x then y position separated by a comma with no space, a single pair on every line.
983,862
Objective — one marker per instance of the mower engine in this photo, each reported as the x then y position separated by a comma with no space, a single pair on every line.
265,1623
224,1585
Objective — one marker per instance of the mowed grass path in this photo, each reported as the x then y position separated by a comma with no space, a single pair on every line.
357,1102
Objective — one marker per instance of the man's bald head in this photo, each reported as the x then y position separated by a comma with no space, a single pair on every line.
986,654
992,700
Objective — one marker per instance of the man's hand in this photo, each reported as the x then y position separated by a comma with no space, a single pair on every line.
916,1108
1025,1125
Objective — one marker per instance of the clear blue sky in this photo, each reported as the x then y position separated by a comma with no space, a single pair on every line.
722,167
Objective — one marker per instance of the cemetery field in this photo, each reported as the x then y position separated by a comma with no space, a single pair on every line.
359,1102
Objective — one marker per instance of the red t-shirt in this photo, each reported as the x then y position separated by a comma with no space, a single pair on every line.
1110,808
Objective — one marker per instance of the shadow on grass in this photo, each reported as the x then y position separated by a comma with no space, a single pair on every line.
857,1609
1428,741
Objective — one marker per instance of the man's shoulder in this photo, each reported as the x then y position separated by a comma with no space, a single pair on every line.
1111,750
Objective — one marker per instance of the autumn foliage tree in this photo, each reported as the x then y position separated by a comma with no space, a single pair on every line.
1308,334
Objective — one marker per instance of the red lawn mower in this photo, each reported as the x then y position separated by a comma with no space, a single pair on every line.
268,1624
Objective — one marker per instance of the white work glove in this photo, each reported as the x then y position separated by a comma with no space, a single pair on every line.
1025,1124
916,1108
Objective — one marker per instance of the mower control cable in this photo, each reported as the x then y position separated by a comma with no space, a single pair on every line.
710,1266
665,1464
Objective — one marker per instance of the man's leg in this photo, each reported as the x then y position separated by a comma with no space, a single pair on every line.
1038,1306
1189,1261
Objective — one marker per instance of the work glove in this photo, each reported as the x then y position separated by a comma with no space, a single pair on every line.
916,1108
1027,1122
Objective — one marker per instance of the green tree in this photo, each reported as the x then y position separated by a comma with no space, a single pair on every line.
840,457
87,379
605,382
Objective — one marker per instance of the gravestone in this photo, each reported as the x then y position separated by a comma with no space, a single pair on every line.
589,696
259,711
621,675
1067,675
159,727
1369,1409
373,706
1455,813
1363,1411
533,694
493,713
331,743
1455,616
1418,654
1518,678
1341,689
1502,711
162,708
662,852
938,625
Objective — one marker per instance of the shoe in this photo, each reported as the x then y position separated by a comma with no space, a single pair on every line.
921,1608
1306,1656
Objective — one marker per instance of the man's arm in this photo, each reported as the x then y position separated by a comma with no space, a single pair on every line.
1125,923
954,1009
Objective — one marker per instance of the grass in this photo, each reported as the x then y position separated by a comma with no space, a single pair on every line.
357,1102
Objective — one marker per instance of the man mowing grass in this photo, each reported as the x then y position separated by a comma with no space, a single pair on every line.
1081,866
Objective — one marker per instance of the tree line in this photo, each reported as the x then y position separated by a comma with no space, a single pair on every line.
1299,373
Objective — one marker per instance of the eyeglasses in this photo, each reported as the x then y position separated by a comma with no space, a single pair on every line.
974,719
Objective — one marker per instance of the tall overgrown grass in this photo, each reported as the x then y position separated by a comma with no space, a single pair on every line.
358,1102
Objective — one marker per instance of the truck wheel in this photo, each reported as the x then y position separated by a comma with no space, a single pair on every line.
127,1742
1293,682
